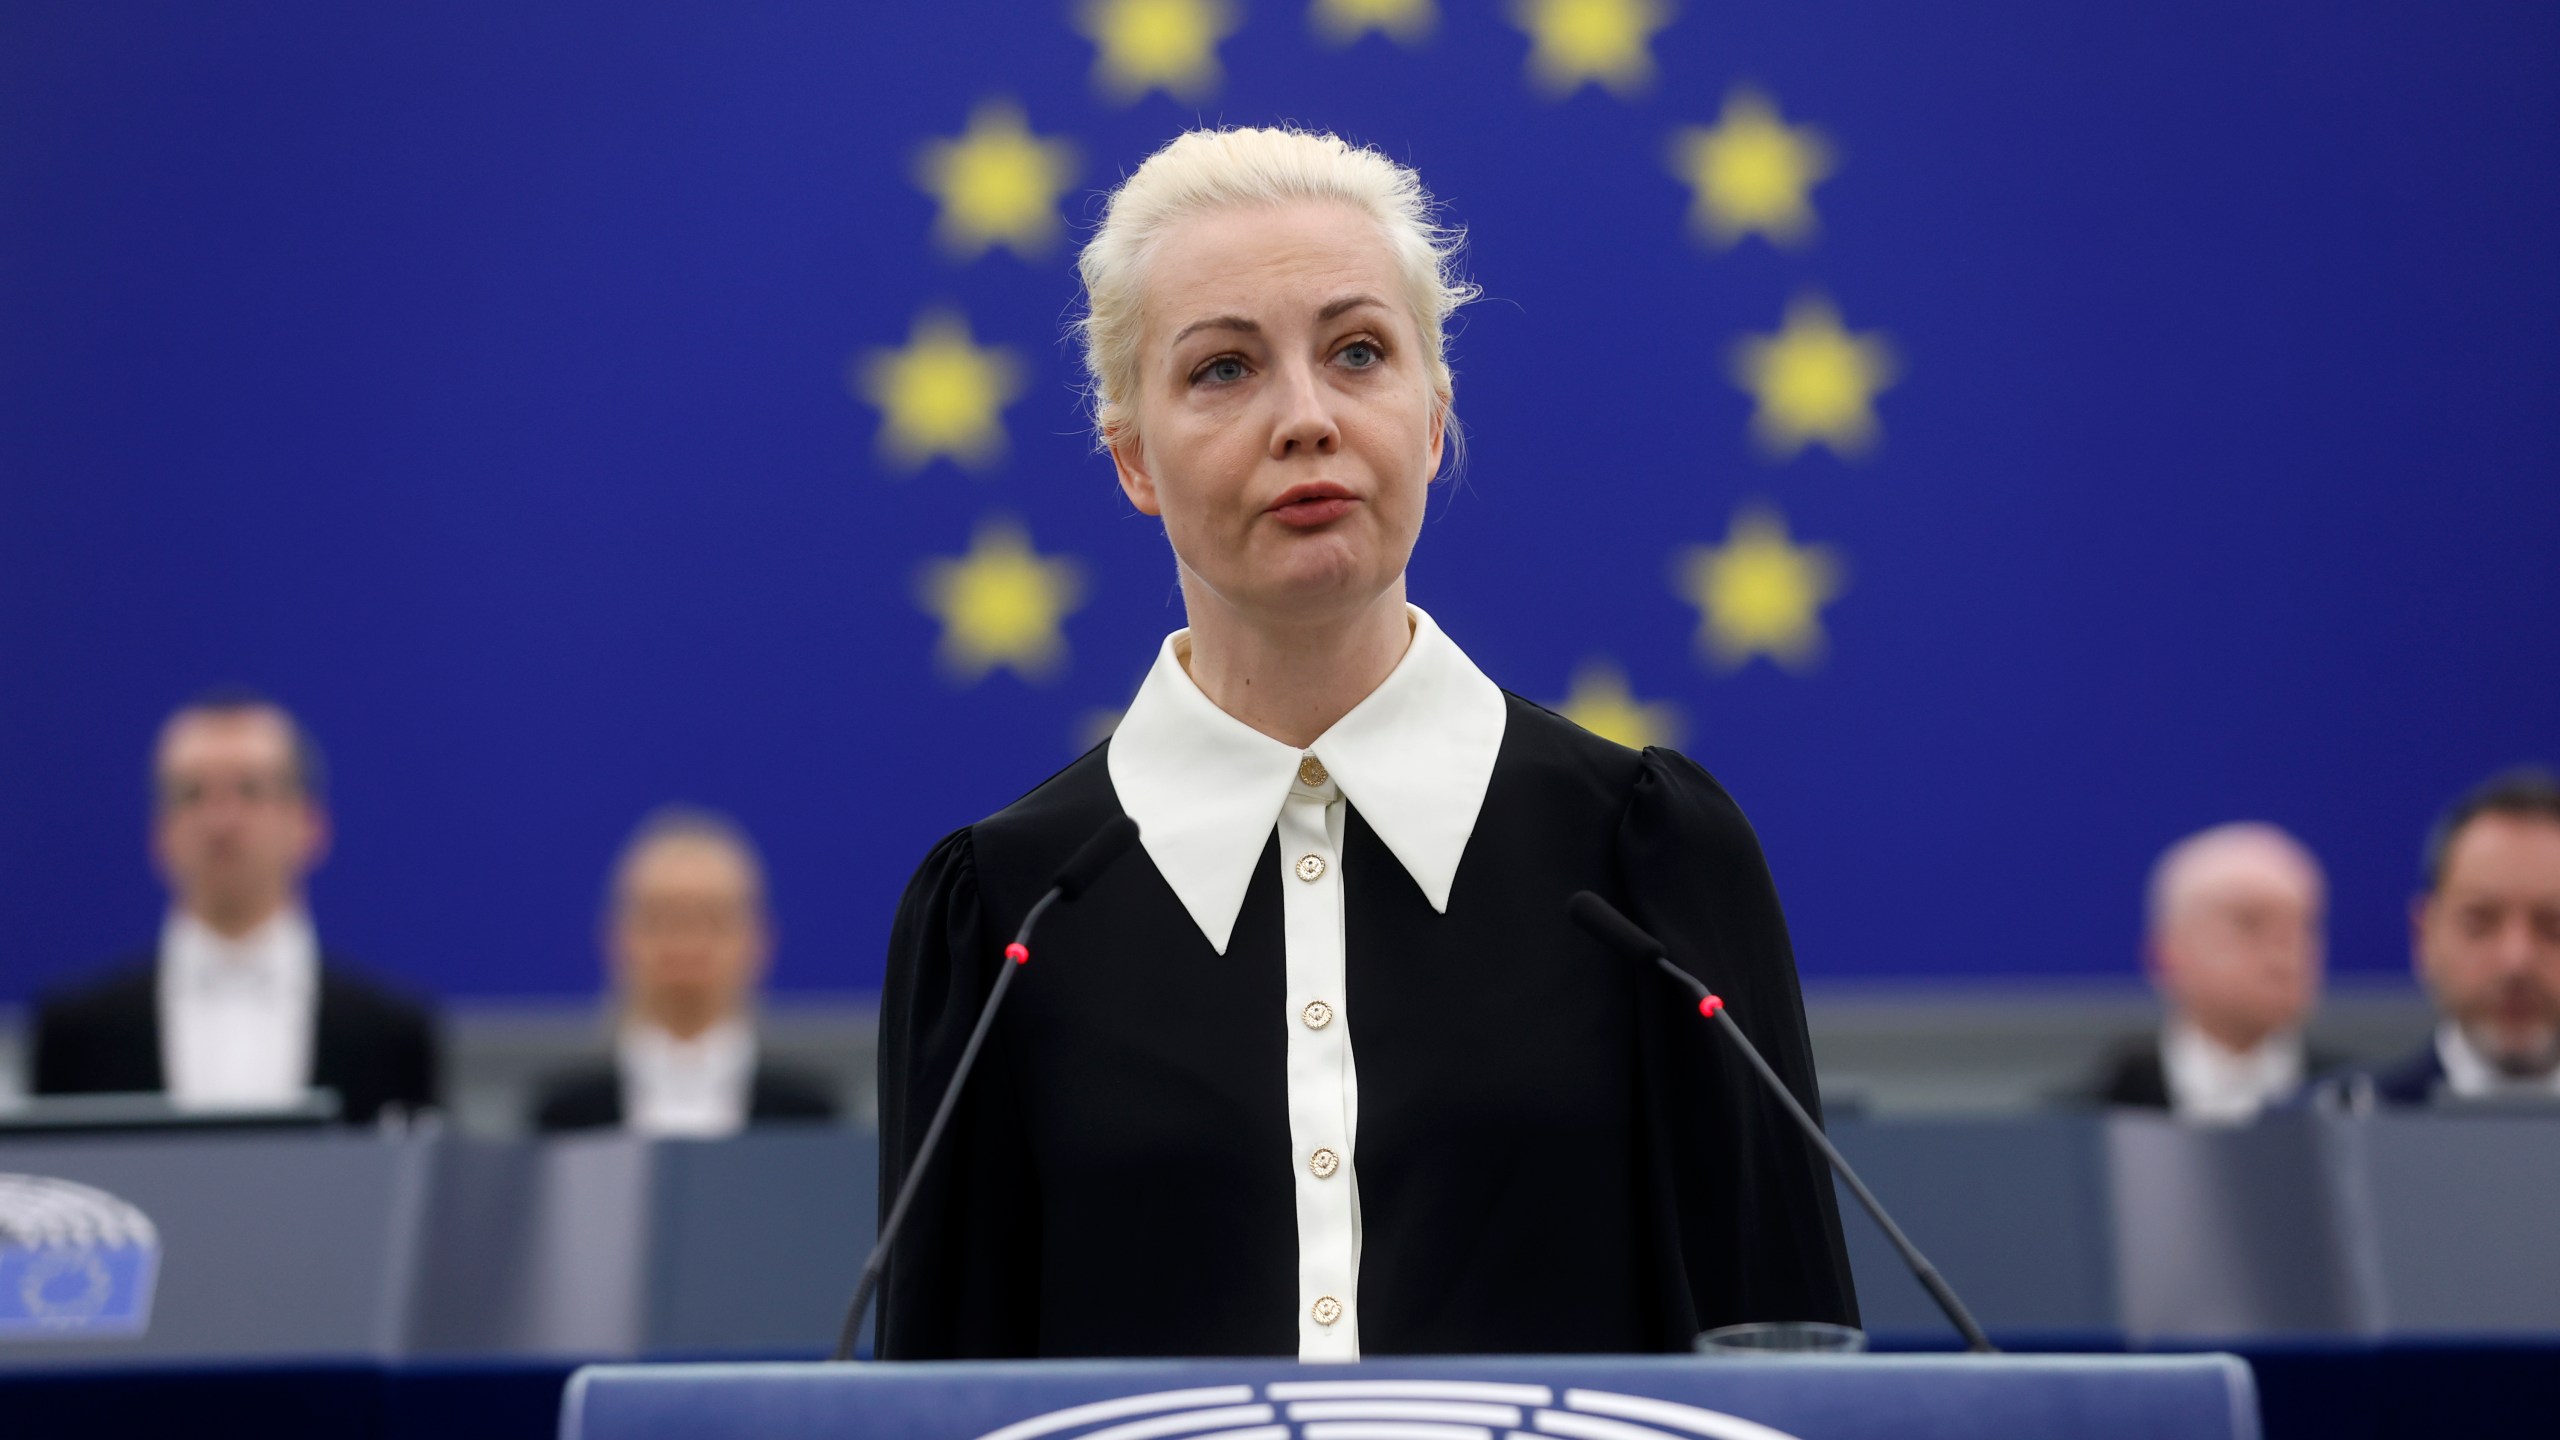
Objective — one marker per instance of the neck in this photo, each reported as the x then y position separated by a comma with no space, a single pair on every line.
684,1022
1293,680
2237,1037
233,920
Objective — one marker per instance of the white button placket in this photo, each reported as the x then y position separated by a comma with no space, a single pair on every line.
1323,1098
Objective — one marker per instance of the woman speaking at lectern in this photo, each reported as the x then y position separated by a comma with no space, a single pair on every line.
1325,1069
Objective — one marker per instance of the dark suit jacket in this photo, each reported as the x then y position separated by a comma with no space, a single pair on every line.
2413,1079
589,1097
2132,1076
373,1047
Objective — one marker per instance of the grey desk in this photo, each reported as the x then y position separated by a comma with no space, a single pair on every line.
2305,1223
363,1246
379,1247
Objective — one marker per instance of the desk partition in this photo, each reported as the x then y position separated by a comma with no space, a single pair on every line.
366,1246
372,1246
293,1244
2459,1218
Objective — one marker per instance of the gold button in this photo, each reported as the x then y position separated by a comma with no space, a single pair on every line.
1310,867
1326,1310
1324,1163
1317,1014
1311,771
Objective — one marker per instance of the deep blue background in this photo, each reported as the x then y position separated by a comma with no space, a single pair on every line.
471,376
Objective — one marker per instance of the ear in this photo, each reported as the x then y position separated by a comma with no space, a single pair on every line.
2160,963
1129,459
316,836
1439,432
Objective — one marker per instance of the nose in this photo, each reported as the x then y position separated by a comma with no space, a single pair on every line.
222,809
2513,949
1304,424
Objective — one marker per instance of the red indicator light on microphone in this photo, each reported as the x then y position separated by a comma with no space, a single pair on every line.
1018,953
1708,1005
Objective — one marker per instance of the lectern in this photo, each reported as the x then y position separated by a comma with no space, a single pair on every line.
1904,1397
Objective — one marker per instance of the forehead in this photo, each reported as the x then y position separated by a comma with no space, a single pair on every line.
2246,883
2242,869
2499,849
1265,263
688,864
196,739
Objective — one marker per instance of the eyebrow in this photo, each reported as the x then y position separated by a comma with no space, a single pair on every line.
1343,306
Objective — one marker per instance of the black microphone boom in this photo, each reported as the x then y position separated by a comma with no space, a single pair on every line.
1074,878
1621,934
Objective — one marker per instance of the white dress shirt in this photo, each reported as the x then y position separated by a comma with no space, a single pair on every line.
697,1089
2211,1083
238,1016
2469,1074
1207,791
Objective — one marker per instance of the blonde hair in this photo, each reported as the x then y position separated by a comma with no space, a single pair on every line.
1207,170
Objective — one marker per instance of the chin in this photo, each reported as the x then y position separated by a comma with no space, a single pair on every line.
1323,570
2519,1049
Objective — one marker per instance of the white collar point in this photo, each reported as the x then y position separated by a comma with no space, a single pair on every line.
1415,758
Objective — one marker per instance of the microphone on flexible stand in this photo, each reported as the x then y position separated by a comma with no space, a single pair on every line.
1602,920
1074,878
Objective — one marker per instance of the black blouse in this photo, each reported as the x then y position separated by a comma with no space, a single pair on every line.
1555,1154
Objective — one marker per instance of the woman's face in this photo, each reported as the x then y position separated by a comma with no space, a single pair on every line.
1285,427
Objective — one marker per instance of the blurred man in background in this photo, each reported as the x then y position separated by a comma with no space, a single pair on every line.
2485,937
239,1008
2235,945
687,941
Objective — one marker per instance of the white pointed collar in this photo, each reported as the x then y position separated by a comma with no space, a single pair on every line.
281,956
1413,758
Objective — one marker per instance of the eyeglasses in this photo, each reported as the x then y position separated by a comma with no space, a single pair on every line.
187,793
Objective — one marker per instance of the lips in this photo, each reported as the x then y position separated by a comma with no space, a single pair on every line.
1317,502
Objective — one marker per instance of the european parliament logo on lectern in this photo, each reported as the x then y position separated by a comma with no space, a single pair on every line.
1345,1408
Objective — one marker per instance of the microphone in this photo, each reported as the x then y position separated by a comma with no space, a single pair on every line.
1603,922
1073,879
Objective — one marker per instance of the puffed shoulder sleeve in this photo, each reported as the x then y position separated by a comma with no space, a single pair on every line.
1742,1198
961,1282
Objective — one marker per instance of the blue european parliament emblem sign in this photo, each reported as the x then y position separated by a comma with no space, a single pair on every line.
74,1261
1387,1410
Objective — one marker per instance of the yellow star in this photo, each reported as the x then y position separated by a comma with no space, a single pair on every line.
1344,21
1602,704
998,184
1752,171
1576,41
941,395
1759,593
1168,45
1000,604
1815,381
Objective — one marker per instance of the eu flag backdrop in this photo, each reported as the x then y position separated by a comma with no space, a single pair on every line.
1995,438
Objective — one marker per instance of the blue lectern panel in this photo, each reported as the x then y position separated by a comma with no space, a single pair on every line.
2195,1397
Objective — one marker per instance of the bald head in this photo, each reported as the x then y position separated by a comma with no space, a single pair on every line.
2237,942
2244,855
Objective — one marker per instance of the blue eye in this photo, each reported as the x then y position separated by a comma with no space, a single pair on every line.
1361,355
1225,370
